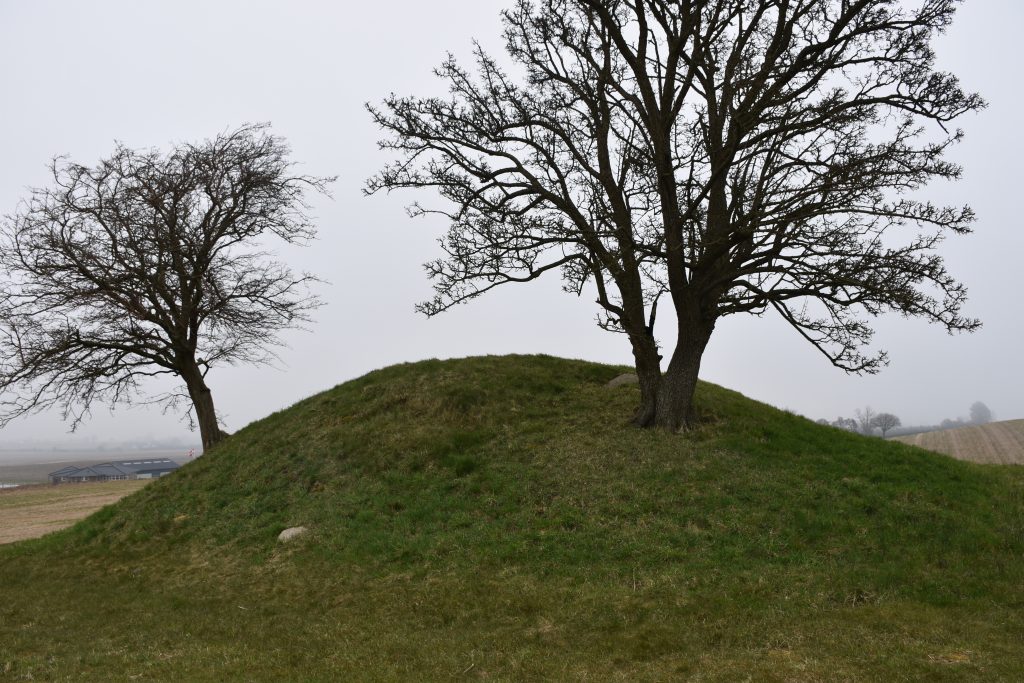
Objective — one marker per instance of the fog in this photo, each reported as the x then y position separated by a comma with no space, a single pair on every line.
75,77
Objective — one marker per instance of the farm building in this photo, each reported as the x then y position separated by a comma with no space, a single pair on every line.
113,471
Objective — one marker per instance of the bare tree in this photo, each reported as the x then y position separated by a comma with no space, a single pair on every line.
866,420
150,264
980,413
884,422
734,155
845,423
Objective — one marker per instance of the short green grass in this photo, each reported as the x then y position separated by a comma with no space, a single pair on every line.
497,519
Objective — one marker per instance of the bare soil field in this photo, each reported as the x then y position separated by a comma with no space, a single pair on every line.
997,442
32,511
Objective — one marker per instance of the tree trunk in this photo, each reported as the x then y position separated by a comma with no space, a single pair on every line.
648,372
675,395
202,401
666,401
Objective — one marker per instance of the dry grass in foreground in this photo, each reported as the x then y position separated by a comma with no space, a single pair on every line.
33,511
1000,443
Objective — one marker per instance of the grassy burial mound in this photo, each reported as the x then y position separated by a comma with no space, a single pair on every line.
997,442
496,519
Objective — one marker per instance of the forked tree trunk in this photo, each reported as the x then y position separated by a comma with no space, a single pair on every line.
666,400
202,401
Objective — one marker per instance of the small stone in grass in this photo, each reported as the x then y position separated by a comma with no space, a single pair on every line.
622,380
291,534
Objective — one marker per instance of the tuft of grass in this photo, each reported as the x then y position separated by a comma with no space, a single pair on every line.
497,518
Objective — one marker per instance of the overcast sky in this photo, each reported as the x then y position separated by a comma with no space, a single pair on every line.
76,76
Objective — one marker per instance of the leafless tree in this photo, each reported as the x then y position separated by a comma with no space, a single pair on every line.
845,423
738,156
884,422
150,264
866,420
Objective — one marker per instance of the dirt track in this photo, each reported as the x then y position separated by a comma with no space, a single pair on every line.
998,442
32,511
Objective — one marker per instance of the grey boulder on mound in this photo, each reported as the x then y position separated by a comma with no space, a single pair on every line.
624,379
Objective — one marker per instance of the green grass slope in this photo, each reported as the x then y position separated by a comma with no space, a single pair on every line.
496,519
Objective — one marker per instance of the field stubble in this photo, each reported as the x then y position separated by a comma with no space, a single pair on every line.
999,443
33,511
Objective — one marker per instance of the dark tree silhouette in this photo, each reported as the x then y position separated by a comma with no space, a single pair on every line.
730,156
150,264
980,413
884,422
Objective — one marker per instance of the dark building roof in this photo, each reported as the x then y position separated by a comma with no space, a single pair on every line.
121,468
75,473
64,470
147,465
111,470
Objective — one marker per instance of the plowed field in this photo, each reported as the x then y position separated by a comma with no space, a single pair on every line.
997,442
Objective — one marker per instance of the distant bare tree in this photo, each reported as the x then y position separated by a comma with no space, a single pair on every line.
885,421
728,156
866,420
846,423
150,264
980,414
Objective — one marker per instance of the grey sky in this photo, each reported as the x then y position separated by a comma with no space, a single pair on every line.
76,76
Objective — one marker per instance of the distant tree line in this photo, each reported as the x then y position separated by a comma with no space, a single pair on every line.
868,422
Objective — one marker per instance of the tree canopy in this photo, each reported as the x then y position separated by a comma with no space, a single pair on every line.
723,156
980,413
885,422
148,264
